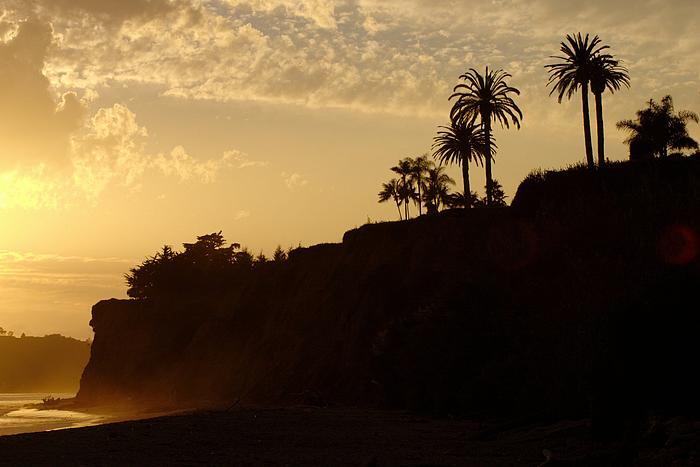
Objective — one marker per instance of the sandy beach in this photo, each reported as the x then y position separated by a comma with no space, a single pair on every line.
333,437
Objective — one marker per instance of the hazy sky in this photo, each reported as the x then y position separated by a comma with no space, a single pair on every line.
129,124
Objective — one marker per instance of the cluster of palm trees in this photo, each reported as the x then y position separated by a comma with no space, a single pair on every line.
419,181
585,64
480,100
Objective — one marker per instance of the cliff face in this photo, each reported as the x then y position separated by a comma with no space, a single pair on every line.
530,308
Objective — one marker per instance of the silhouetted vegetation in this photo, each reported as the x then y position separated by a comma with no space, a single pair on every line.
606,73
461,143
486,98
658,130
421,182
51,363
575,71
206,265
582,65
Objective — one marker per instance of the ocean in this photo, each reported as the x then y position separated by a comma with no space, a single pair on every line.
17,415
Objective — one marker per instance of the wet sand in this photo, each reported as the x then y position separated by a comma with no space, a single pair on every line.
328,437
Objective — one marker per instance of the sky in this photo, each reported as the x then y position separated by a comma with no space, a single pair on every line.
126,125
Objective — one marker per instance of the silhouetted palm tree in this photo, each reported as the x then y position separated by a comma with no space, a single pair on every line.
486,97
403,169
606,73
459,200
391,190
658,129
573,72
437,189
420,167
497,194
460,143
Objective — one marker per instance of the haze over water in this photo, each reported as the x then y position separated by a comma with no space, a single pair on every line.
17,415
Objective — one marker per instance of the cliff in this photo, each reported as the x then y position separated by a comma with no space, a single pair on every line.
575,295
41,364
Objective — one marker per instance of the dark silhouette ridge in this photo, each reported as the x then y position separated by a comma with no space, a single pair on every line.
530,310
48,364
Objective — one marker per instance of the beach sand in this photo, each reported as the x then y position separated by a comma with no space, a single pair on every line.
325,437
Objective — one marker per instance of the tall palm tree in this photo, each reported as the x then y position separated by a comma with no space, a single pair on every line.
606,73
391,190
486,97
658,129
574,71
404,169
420,167
437,190
461,143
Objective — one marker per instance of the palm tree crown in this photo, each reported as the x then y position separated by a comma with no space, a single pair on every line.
391,190
574,70
419,169
437,189
406,190
486,97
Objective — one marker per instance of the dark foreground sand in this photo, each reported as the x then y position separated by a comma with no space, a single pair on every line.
334,437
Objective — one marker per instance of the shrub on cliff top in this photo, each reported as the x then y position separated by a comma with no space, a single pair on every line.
204,265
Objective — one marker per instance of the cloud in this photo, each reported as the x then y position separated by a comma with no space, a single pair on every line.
241,161
242,214
35,124
294,181
109,11
319,12
110,150
395,56
30,189
19,269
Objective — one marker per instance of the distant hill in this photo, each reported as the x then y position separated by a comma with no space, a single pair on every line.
42,364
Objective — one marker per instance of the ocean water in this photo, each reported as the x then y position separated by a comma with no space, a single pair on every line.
17,415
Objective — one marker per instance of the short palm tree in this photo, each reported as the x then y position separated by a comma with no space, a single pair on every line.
391,190
419,170
488,98
460,200
657,129
461,143
574,71
606,73
437,190
406,191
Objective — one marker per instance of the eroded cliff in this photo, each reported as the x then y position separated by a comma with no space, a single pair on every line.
575,294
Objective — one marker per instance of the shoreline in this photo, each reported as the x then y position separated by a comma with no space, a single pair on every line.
354,437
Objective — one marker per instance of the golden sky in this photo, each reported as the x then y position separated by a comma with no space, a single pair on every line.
129,124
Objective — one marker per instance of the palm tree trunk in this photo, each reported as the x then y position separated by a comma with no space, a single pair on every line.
600,130
587,126
465,177
398,208
420,211
487,155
